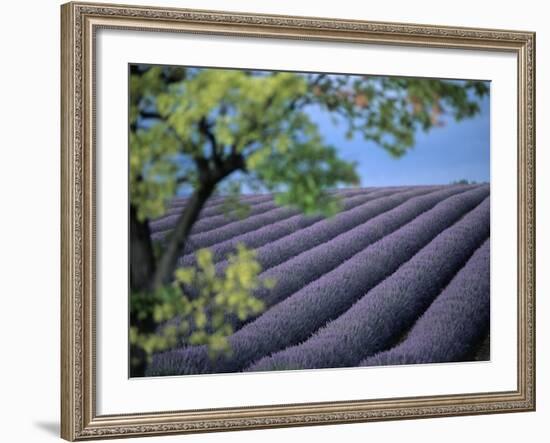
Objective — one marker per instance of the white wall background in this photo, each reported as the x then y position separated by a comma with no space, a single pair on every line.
29,225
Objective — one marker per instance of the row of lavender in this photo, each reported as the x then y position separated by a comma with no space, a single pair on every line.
376,284
216,213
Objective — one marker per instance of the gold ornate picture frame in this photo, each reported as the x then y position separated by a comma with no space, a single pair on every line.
80,23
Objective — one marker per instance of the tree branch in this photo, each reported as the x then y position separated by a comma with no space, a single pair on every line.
206,129
294,103
142,259
168,261
209,179
150,114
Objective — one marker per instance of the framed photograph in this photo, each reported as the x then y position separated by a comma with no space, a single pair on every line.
282,221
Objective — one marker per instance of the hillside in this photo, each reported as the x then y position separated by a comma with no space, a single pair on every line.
399,276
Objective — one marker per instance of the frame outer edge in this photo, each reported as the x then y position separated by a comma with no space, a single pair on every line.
532,201
78,419
68,402
534,197
526,222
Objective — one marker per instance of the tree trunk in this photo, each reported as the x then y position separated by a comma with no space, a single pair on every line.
142,258
168,261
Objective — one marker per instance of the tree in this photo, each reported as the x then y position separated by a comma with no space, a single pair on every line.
201,130
195,127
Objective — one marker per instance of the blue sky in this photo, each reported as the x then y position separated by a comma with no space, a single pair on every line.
458,150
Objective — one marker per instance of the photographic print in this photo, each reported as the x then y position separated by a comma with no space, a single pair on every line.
303,220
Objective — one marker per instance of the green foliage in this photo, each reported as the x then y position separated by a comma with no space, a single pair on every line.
215,113
153,173
173,316
299,166
389,110
212,114
300,177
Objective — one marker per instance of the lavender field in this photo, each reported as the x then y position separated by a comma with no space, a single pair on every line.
399,276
